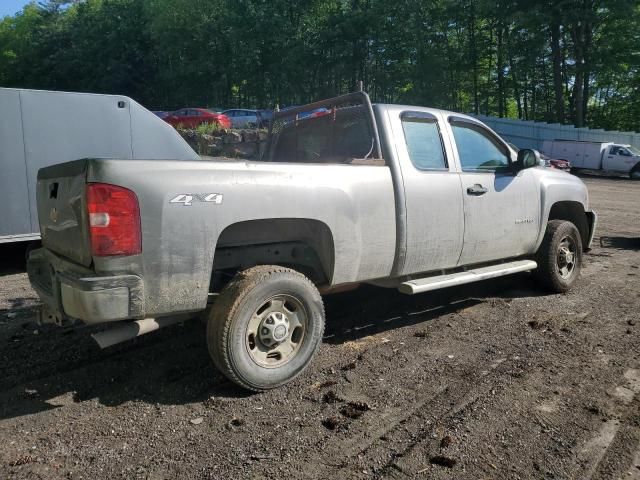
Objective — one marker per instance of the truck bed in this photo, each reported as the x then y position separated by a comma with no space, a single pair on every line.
187,208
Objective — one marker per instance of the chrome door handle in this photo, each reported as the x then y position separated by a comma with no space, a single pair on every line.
477,189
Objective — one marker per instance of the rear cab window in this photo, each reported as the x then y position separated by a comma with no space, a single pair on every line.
424,141
340,136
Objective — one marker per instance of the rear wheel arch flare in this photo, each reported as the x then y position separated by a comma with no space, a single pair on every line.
314,234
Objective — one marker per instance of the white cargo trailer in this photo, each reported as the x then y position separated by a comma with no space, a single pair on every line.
596,156
39,128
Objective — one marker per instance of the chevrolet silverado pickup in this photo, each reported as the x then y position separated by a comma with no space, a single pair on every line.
397,196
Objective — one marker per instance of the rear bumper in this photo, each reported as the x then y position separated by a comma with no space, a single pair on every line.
71,292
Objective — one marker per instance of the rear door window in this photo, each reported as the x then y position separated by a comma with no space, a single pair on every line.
423,140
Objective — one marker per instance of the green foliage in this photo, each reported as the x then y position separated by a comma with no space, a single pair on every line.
207,128
492,57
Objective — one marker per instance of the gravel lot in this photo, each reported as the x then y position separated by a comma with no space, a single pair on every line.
497,380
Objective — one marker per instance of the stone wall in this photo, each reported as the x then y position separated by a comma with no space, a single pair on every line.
246,144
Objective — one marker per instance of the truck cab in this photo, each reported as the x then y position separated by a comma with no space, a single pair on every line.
621,158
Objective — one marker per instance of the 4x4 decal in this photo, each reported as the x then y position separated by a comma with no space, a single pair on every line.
187,199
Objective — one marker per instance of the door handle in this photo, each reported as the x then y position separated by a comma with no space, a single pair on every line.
477,189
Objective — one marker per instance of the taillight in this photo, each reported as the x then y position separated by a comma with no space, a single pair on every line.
114,220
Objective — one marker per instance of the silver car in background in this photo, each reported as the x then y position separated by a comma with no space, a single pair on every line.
242,118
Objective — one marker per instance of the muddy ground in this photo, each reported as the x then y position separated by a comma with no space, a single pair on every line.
498,380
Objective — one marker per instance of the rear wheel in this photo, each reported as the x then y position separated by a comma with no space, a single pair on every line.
265,327
635,172
559,257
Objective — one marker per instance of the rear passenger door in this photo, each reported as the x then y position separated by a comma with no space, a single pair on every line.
501,206
432,189
193,118
233,116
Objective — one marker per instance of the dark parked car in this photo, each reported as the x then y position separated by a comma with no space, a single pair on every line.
550,162
192,117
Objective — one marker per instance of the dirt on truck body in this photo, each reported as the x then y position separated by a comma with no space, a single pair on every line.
496,380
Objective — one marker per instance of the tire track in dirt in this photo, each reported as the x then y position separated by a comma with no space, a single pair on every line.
610,451
370,436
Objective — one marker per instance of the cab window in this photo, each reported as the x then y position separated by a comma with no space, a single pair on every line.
478,149
423,140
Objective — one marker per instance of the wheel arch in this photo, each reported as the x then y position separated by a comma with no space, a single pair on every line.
303,244
574,212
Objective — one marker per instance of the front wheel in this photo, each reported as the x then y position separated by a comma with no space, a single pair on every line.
265,327
559,257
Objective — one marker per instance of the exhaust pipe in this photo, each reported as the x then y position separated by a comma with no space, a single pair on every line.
137,328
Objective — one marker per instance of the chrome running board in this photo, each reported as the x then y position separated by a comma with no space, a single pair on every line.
420,285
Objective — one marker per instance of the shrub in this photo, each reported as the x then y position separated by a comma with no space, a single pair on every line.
207,128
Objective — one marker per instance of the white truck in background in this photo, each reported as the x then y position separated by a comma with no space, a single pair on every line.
598,157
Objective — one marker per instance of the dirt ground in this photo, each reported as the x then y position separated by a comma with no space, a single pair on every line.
493,381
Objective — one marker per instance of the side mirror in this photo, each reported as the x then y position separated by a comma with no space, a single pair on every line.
527,158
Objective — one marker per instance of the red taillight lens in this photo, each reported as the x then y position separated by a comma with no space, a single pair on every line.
114,220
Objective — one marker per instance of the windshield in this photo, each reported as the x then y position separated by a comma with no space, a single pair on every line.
633,150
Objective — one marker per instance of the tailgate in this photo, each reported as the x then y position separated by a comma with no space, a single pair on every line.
62,210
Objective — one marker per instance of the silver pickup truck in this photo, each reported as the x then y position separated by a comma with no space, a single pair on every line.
397,196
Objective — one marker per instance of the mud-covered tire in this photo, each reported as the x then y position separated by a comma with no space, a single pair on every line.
231,336
553,272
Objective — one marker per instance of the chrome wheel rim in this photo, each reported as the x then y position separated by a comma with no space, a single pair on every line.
566,257
276,331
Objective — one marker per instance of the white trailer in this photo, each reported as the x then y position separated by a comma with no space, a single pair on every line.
39,128
596,156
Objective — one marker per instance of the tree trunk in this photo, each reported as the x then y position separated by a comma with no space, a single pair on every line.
525,100
474,58
516,87
556,55
578,85
500,70
587,72
581,35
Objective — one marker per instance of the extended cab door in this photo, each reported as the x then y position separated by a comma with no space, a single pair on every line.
434,226
501,206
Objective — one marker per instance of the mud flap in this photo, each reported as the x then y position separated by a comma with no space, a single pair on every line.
592,221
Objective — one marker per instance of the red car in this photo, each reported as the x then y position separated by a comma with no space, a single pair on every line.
192,117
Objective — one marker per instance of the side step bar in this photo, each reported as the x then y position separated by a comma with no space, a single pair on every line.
428,284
